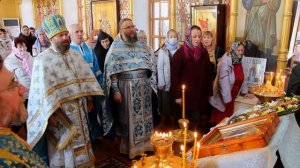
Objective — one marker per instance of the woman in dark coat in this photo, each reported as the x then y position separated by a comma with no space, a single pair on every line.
191,67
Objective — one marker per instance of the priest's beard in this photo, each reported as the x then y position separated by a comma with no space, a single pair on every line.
62,46
130,39
21,115
8,117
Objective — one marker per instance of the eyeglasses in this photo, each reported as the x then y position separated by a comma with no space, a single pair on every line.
13,84
129,27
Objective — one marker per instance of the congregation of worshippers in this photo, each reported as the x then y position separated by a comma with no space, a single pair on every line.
62,93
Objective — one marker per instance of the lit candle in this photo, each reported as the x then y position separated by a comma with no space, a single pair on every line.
197,154
195,145
283,82
183,101
278,77
183,155
272,76
279,85
134,164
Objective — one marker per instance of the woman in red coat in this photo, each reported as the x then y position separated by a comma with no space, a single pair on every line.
229,83
191,66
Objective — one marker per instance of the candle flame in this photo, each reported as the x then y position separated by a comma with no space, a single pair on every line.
198,144
195,134
182,148
183,87
184,124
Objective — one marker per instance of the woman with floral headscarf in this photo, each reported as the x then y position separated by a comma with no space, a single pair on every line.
191,67
228,83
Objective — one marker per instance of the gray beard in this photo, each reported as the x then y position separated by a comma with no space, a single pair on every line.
21,117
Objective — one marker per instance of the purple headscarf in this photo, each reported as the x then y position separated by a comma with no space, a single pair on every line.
189,50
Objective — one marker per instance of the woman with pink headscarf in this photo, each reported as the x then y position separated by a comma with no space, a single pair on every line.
20,63
191,66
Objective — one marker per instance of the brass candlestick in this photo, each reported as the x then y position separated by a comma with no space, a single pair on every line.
267,92
178,134
162,144
163,158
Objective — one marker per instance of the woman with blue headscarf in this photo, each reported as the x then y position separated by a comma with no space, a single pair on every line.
229,83
41,44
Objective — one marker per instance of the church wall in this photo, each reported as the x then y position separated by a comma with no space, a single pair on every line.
141,15
27,13
9,9
183,17
70,11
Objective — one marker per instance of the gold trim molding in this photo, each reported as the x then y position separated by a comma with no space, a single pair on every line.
172,14
232,23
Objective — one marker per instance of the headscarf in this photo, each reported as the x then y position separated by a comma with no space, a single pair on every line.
37,41
100,51
139,32
236,59
24,56
189,50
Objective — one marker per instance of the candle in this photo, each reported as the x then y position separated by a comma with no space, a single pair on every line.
282,82
279,84
272,77
134,164
183,101
197,154
184,140
195,145
278,78
183,155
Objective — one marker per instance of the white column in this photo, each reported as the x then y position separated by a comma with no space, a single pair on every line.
70,11
27,13
141,15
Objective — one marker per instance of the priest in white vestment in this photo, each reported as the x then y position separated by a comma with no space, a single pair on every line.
59,100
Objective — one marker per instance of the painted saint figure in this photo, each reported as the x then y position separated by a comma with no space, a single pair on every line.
260,26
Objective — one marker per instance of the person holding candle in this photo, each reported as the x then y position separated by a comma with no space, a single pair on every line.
191,67
228,83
